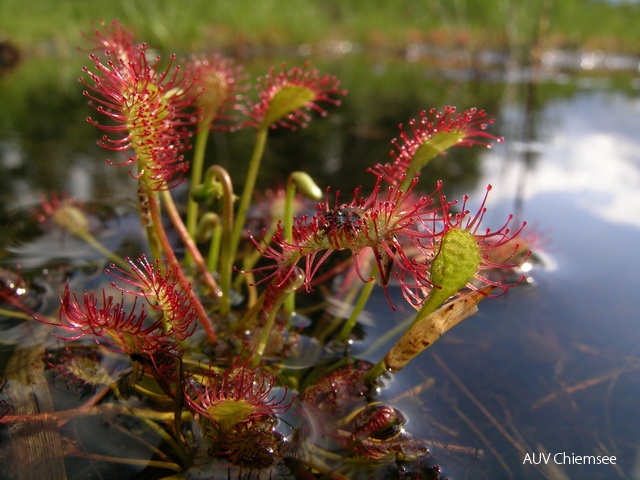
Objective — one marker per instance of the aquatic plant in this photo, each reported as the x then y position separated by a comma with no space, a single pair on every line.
202,331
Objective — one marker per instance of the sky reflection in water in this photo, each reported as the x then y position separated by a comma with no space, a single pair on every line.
578,326
590,151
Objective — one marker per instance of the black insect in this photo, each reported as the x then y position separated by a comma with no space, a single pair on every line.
342,218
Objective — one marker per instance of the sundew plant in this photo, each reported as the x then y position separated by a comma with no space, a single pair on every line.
188,347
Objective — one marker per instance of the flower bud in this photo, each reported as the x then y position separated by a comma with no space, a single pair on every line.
306,185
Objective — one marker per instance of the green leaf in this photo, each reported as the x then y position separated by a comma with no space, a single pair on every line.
456,264
287,100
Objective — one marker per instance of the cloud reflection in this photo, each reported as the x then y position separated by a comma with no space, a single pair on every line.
589,150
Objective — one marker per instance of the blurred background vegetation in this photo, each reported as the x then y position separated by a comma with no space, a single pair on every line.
405,54
43,26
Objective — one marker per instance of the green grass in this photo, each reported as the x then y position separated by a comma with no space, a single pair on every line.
45,25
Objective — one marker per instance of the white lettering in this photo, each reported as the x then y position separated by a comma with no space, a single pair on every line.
536,458
562,458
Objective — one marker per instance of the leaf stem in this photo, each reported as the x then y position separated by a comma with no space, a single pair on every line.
154,210
249,186
226,256
189,244
196,177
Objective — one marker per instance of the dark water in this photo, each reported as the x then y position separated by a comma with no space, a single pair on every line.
553,367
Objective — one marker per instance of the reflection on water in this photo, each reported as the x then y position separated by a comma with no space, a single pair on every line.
555,367
552,367
589,150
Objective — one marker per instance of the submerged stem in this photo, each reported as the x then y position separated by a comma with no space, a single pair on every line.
96,245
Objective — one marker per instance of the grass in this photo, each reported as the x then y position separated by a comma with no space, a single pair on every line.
43,25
